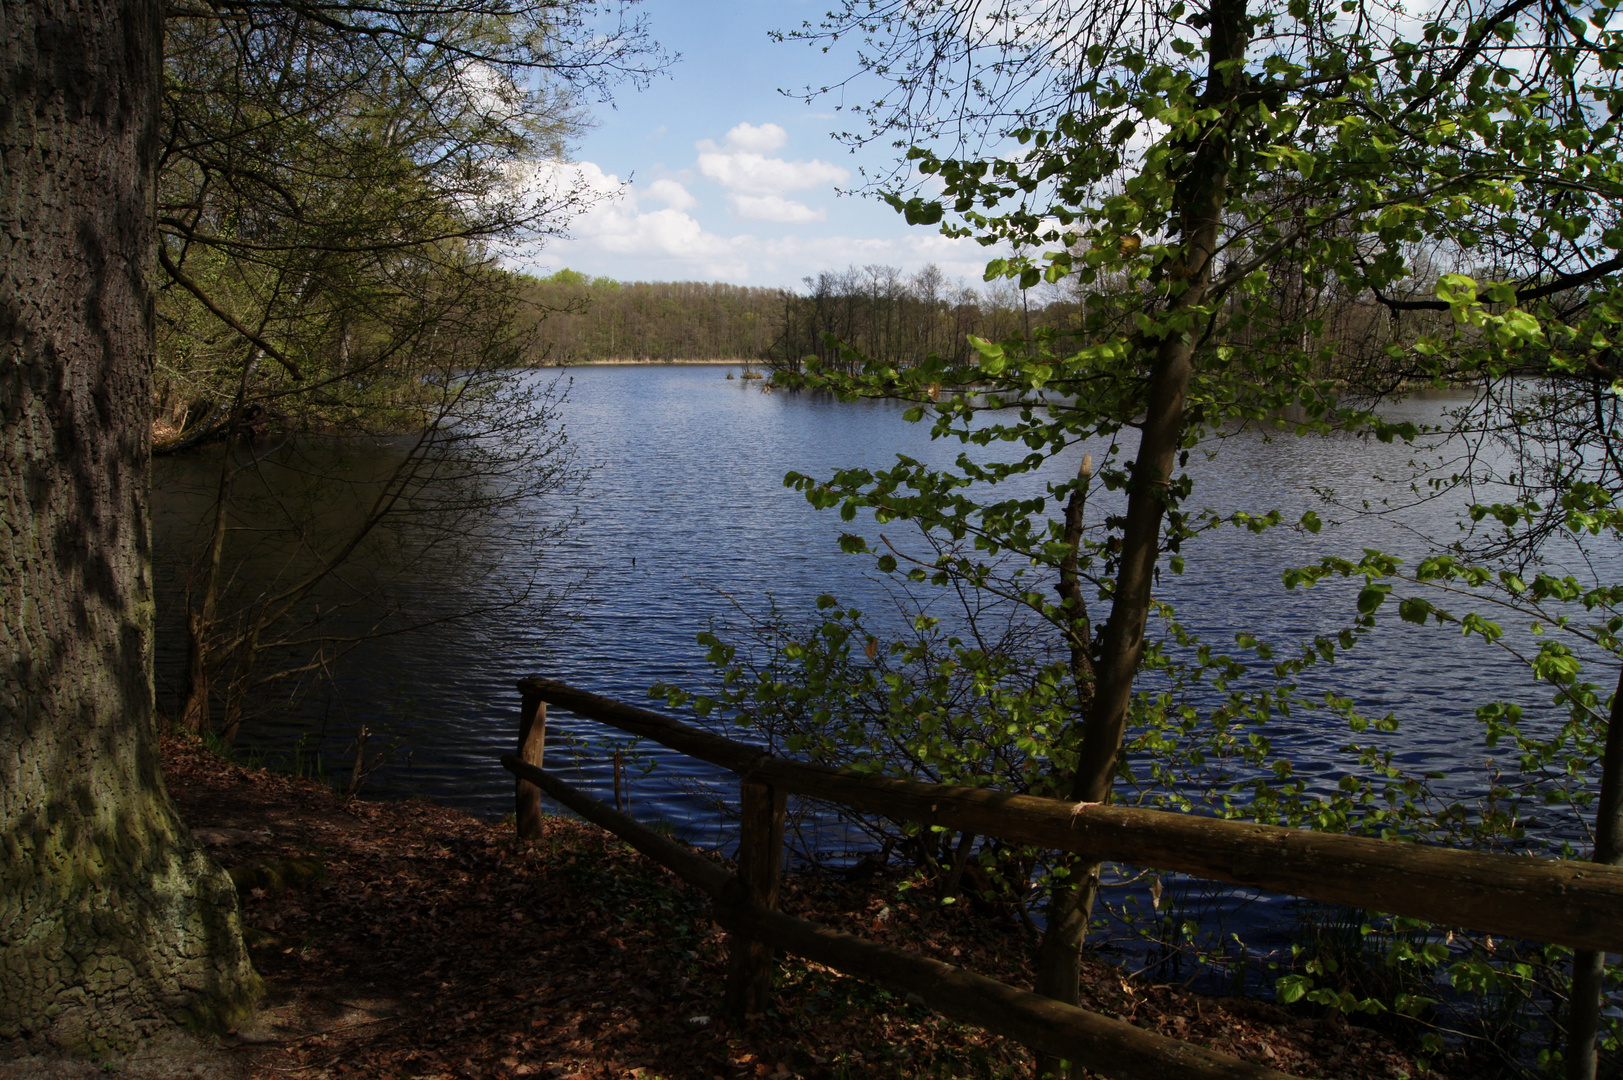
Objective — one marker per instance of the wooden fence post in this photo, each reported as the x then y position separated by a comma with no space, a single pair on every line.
760,861
532,742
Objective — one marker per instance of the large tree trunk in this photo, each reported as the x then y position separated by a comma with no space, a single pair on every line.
113,923
1201,194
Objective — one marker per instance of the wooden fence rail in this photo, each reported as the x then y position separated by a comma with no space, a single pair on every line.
1113,1047
1561,901
1566,902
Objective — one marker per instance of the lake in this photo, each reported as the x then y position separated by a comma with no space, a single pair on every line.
685,515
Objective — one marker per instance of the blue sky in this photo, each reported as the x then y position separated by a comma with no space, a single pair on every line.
713,174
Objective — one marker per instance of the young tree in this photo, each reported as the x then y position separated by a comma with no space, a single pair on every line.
1194,166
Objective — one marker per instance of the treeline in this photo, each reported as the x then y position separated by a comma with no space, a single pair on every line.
876,309
901,319
584,320
880,312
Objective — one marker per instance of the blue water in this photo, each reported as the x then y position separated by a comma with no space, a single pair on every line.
684,518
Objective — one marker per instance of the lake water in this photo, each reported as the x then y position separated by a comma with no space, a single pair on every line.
685,514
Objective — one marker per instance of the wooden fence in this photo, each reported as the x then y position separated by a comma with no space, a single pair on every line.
1565,902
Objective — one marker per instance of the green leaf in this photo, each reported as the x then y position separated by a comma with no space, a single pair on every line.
1372,596
1292,988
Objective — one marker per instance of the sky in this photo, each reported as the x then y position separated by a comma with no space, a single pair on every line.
713,174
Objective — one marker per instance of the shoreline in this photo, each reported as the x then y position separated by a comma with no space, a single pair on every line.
623,362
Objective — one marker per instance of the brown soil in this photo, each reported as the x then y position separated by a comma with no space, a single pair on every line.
434,944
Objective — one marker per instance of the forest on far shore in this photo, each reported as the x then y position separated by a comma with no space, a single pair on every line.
876,309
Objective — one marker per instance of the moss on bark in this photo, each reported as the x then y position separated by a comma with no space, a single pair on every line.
113,923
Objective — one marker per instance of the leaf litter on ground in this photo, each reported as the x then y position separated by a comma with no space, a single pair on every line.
406,939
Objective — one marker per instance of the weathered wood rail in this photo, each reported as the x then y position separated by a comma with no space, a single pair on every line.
1564,902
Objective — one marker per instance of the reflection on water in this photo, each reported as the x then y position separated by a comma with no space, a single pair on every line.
685,514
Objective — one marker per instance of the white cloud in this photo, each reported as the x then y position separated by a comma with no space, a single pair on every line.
790,258
671,193
757,140
487,92
757,175
774,208
741,164
563,182
636,234
615,224
558,192
620,228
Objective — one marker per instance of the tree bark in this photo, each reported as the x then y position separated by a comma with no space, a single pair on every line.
1589,966
113,922
1059,954
1200,195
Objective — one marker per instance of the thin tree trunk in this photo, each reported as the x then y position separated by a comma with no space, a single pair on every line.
1589,967
202,648
1201,195
194,716
247,650
955,873
113,922
1058,960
